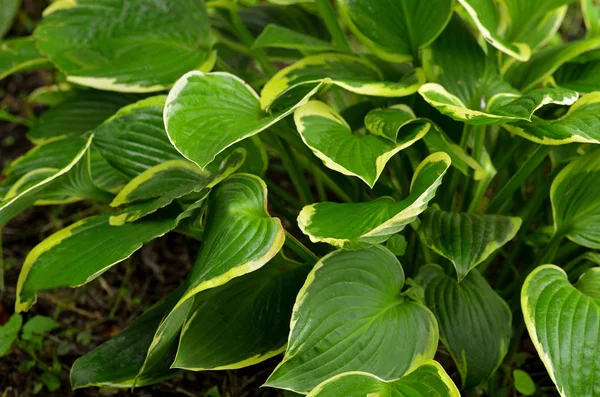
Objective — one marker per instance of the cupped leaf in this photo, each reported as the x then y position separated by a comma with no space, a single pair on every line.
564,324
331,139
134,139
429,379
527,76
240,237
81,252
575,204
256,327
580,124
162,184
502,108
349,72
207,113
275,36
351,316
92,42
475,323
466,239
353,225
75,116
19,55
117,362
396,30
581,77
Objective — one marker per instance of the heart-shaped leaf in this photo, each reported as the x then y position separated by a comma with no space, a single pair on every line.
240,237
466,239
207,113
575,204
349,72
396,30
353,225
475,323
258,307
94,48
351,316
19,55
331,139
81,252
564,324
428,380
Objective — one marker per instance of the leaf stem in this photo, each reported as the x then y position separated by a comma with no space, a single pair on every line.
549,252
294,171
300,249
502,198
337,35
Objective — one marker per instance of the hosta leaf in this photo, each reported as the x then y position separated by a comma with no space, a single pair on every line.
350,316
92,42
275,36
580,124
466,239
564,324
77,115
488,20
81,252
19,55
331,139
258,307
52,95
240,237
501,109
349,72
581,77
475,323
168,181
591,17
527,76
575,204
396,30
429,380
352,225
524,15
8,10
207,113
9,332
53,186
117,362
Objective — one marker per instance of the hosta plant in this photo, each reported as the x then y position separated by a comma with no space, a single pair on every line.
393,197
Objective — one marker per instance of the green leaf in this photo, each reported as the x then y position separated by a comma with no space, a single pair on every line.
591,17
134,139
52,95
240,237
428,380
575,204
330,138
19,55
353,225
564,324
350,316
396,30
543,64
580,124
523,382
258,307
501,108
81,252
117,362
207,113
38,325
397,244
8,11
475,323
349,72
162,184
77,115
466,239
9,333
581,77
275,36
95,48
51,382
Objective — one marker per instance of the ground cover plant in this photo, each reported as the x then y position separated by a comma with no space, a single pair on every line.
390,198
